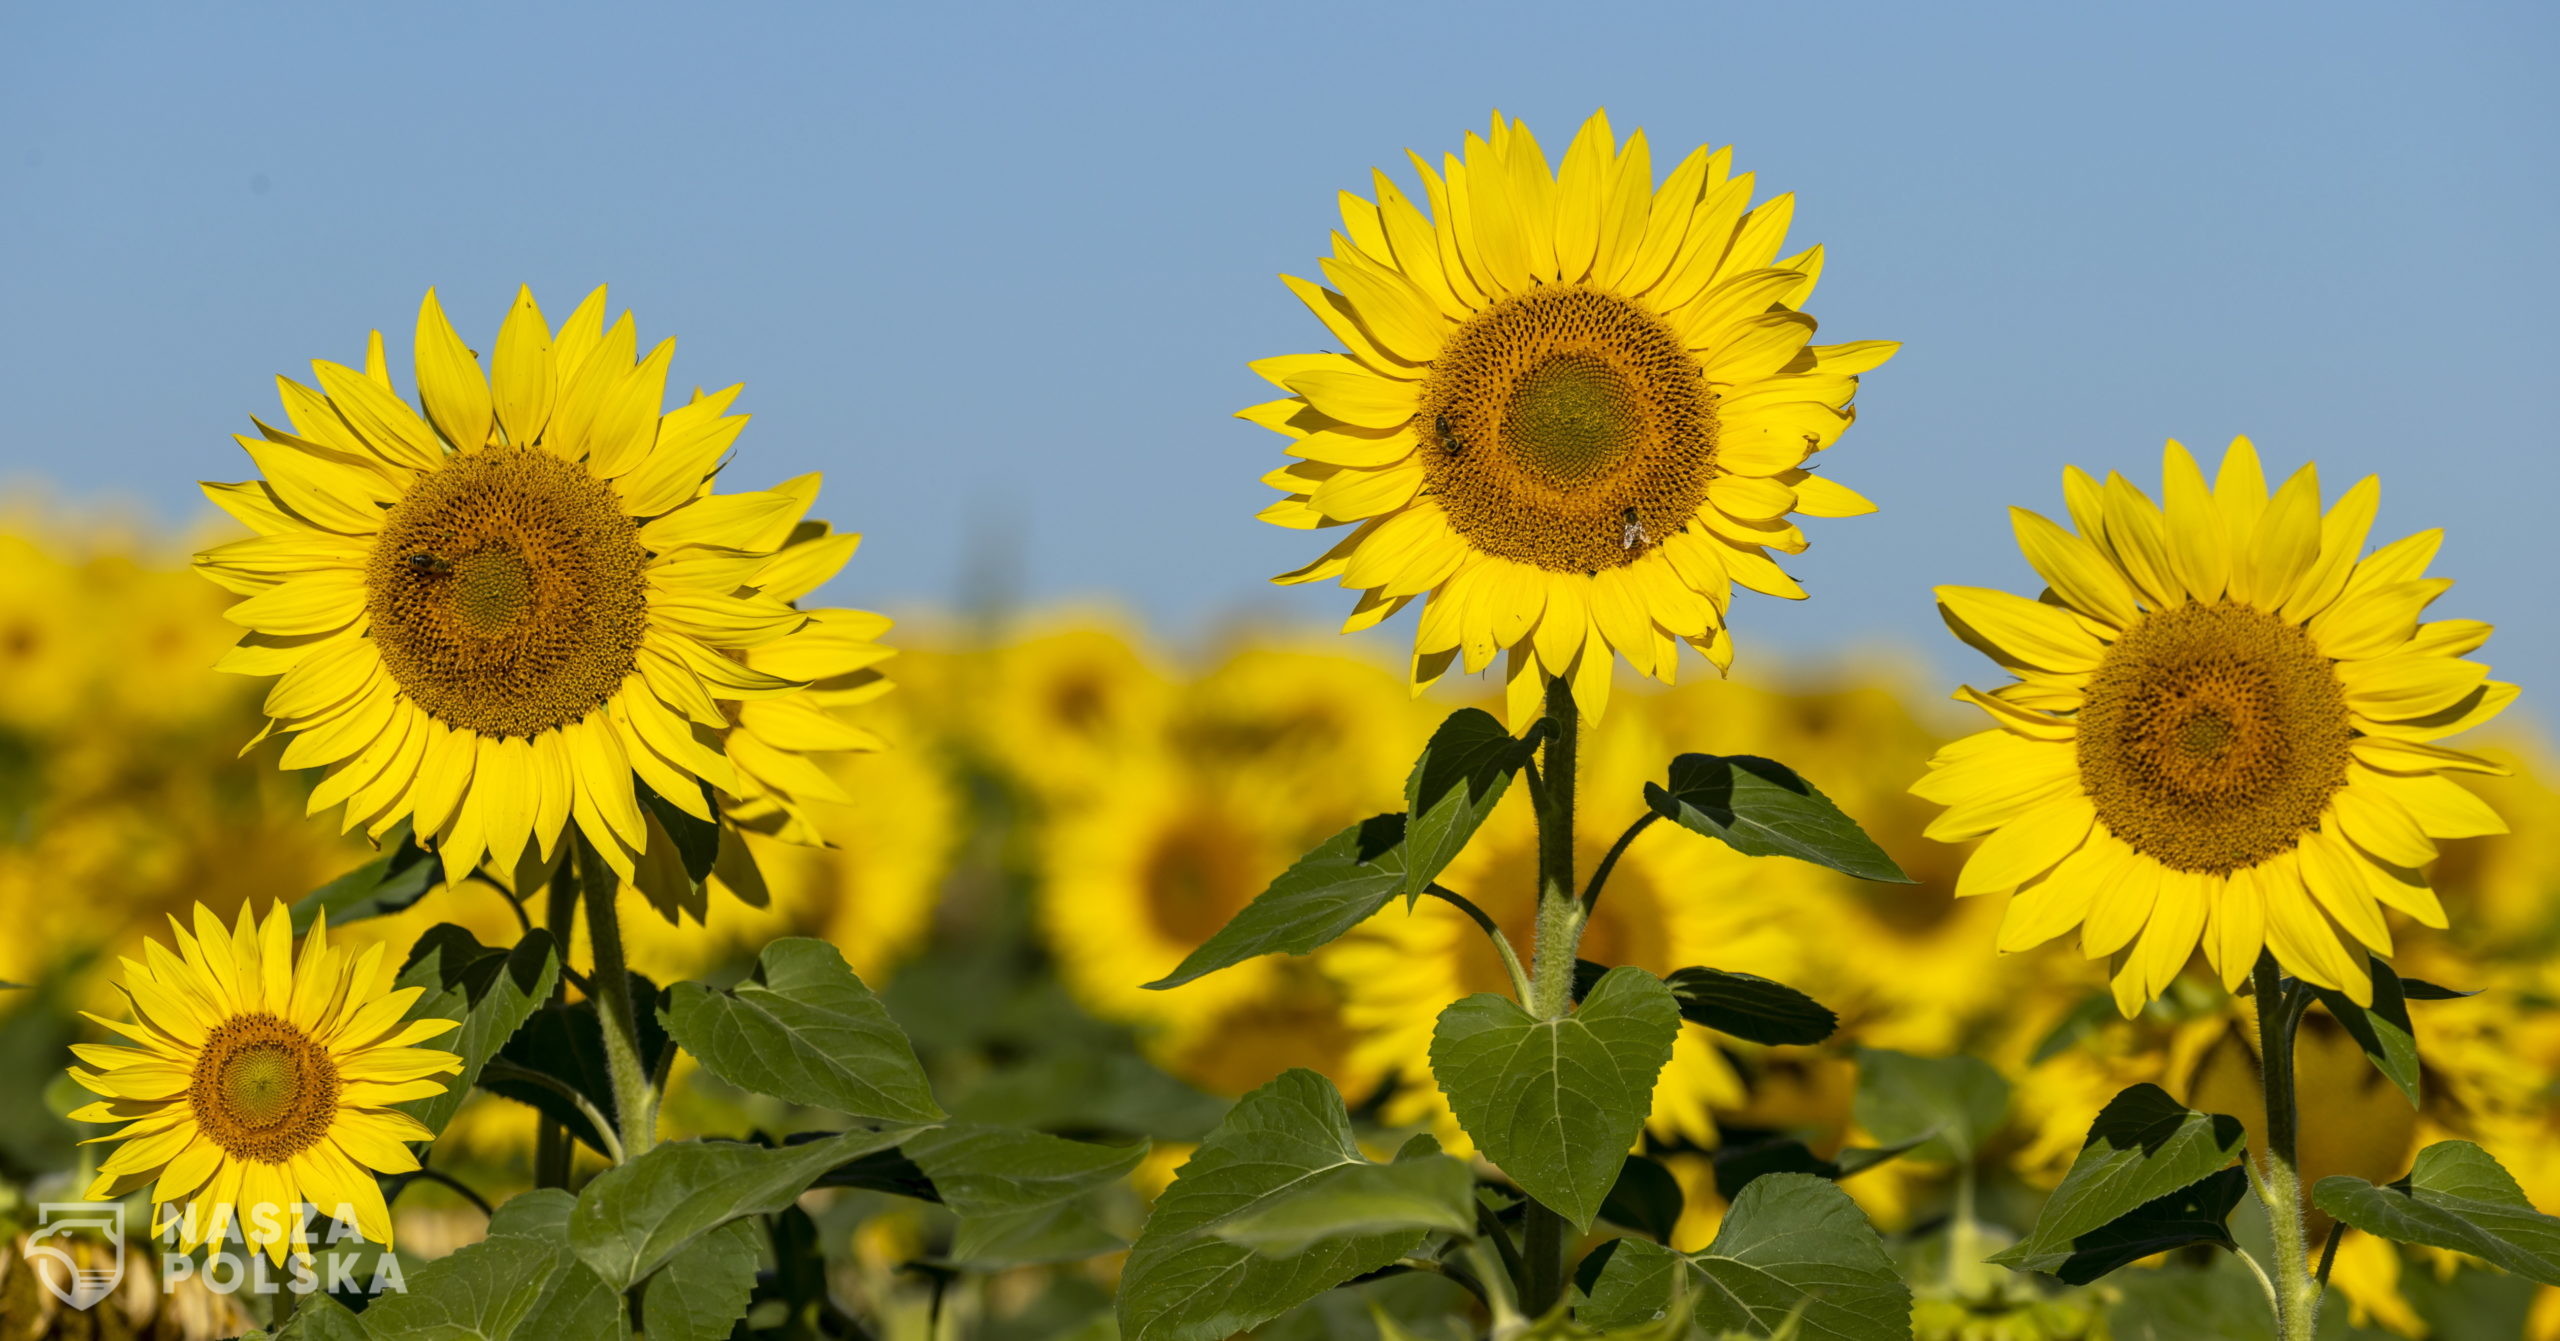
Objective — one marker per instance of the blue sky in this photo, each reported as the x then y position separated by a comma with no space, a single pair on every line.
997,270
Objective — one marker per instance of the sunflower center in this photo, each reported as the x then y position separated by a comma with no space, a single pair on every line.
2213,736
1196,877
506,592
262,1089
1568,428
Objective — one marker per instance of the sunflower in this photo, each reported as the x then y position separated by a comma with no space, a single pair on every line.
1573,408
2223,728
259,1081
488,618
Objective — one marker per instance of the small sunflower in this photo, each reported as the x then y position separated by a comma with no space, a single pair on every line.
2223,729
1573,409
490,617
259,1081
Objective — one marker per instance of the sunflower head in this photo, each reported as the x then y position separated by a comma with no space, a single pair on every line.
254,1080
2222,730
516,603
1575,407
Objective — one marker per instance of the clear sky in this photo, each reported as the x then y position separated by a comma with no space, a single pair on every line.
998,270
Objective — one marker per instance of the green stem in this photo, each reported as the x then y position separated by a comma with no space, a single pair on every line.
635,1104
2297,1292
1484,921
1560,918
551,1152
1600,874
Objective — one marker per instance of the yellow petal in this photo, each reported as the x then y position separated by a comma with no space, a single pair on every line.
450,382
2014,629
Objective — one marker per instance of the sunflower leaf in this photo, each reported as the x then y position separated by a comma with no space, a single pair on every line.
1326,893
1017,1192
1184,1283
1462,773
1646,1198
1743,1005
633,1218
521,1283
697,841
2144,1154
2456,1197
1793,1252
805,1029
1950,1105
702,1291
491,991
2381,1029
1762,808
562,1043
387,884
1431,1193
1556,1103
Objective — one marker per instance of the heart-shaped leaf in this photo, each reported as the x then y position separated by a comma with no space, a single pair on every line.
1454,786
1184,1283
2457,1197
1328,892
492,991
521,1283
1793,1251
1556,1103
634,1217
1431,1193
805,1029
701,1292
2144,1150
2382,1029
1763,809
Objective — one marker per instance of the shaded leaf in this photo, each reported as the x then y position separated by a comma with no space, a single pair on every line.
2419,989
1762,808
491,991
2456,1197
1014,1191
2381,1029
401,876
1463,771
2187,1216
1556,1103
702,1291
2144,1149
1791,1247
1742,1005
521,1283
1434,1193
632,1218
1184,1283
563,1041
697,840
1326,893
1951,1104
805,1029
1646,1199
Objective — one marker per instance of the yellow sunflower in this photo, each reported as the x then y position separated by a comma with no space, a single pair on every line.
488,618
2223,728
1574,407
259,1081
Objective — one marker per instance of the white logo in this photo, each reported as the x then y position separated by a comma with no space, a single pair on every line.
52,1241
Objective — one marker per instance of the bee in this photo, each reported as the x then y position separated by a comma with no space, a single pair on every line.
427,562
1448,438
1634,534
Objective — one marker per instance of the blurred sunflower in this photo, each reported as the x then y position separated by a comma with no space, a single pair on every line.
1574,408
489,618
43,643
259,1081
2223,728
1399,969
1058,711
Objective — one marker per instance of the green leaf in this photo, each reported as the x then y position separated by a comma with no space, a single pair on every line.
1646,1199
1956,1102
2381,1029
1328,892
1434,1193
1556,1103
2144,1148
697,841
317,1317
1184,1283
2083,1019
1738,1164
1015,1191
1791,1247
519,1284
563,1042
1742,1005
701,1292
805,1029
636,1216
2456,1197
491,991
1454,786
2419,989
1763,809
386,884
2187,1216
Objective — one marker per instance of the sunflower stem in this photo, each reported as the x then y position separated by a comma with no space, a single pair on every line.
2297,1292
551,1152
635,1104
1560,918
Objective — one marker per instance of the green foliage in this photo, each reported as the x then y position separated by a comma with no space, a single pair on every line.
387,884
636,1216
559,1053
1743,1005
1556,1103
1430,1192
1328,892
492,991
1762,808
1184,1283
702,1291
2458,1197
1454,785
1793,1251
2382,1029
1949,1104
804,1028
1646,1199
1017,1192
1738,1164
521,1283
2130,1185
697,840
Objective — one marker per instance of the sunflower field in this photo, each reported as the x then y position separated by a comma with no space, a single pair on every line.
479,885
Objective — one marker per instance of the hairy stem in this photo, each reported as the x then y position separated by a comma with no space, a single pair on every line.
1484,921
551,1153
635,1104
1560,920
2297,1292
